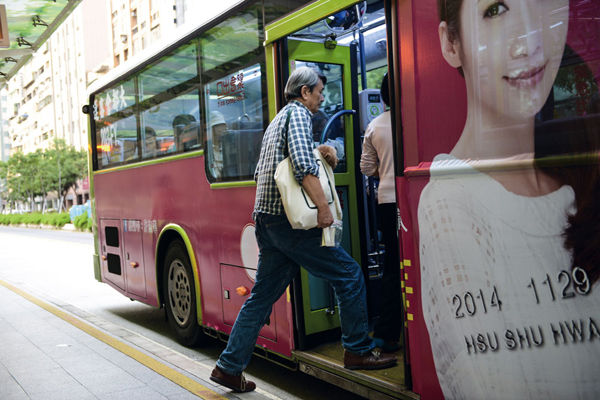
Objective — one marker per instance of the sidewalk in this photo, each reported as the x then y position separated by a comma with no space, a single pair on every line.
42,356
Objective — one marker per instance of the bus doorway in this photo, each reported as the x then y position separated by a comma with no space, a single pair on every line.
349,48
332,125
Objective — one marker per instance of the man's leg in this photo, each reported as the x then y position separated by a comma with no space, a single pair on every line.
343,273
336,266
275,272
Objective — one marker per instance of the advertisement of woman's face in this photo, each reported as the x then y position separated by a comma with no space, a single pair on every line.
510,53
509,210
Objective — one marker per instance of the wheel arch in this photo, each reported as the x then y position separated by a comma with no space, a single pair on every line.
169,234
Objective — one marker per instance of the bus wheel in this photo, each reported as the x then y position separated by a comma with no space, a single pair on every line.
180,295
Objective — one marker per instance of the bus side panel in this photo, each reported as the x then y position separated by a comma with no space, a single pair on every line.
424,377
434,109
419,61
178,192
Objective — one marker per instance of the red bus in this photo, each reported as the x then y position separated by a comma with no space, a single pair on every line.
495,117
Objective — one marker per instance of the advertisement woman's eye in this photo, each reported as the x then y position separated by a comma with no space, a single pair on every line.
495,10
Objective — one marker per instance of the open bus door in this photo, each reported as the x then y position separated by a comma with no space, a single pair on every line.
319,311
301,39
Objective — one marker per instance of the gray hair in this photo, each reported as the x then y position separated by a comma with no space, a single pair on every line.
303,76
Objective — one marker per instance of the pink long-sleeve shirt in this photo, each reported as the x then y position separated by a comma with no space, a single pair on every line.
378,156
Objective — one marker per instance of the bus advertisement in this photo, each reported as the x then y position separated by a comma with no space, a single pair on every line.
495,117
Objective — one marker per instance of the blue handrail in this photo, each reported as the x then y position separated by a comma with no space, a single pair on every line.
330,122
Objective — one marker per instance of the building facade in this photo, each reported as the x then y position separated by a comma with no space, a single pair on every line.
43,101
135,24
4,134
44,98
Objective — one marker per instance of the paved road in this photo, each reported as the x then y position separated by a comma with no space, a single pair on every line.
57,266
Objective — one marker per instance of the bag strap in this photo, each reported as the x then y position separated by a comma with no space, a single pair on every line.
286,127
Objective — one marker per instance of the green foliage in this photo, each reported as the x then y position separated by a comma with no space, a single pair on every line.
33,218
82,222
59,219
35,174
55,219
374,78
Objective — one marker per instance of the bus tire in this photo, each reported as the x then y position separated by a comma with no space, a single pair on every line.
180,295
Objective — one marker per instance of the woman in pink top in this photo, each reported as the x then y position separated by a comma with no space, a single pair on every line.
377,160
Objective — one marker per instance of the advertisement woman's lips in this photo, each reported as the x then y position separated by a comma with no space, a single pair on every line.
528,78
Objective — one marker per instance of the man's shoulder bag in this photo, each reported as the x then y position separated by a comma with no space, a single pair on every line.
299,208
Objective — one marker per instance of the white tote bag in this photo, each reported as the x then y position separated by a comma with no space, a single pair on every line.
299,208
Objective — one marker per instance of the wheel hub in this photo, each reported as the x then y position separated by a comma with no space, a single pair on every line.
179,292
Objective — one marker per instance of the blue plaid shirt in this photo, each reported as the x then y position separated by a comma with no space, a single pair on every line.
299,147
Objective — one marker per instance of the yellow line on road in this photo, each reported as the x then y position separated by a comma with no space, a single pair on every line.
155,365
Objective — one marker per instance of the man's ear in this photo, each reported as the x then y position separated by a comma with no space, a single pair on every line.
305,92
450,48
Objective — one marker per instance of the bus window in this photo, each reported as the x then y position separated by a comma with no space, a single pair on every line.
218,53
169,100
334,102
234,101
116,131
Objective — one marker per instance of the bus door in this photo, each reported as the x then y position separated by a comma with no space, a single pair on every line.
333,125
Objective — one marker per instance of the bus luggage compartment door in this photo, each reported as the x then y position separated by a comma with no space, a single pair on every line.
110,252
133,258
235,289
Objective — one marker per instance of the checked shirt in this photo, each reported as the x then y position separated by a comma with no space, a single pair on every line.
299,147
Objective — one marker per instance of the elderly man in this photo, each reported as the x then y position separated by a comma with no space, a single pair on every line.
283,249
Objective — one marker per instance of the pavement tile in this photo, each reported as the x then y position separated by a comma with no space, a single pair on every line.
184,396
27,360
108,381
144,393
74,393
9,388
41,381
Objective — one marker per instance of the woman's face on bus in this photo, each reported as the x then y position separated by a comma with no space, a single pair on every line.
510,52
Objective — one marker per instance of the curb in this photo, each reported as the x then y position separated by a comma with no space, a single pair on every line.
66,227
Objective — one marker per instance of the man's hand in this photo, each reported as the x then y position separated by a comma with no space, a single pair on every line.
324,217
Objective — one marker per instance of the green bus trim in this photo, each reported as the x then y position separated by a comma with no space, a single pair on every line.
226,185
96,255
192,255
151,162
271,84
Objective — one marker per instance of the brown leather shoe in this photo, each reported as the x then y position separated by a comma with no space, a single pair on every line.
238,384
372,360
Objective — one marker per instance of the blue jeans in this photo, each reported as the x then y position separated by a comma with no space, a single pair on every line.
282,251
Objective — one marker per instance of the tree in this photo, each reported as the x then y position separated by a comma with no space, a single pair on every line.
3,187
23,179
27,176
67,165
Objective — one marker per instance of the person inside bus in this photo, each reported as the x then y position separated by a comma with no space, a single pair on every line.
185,138
151,145
377,159
214,143
282,249
488,235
